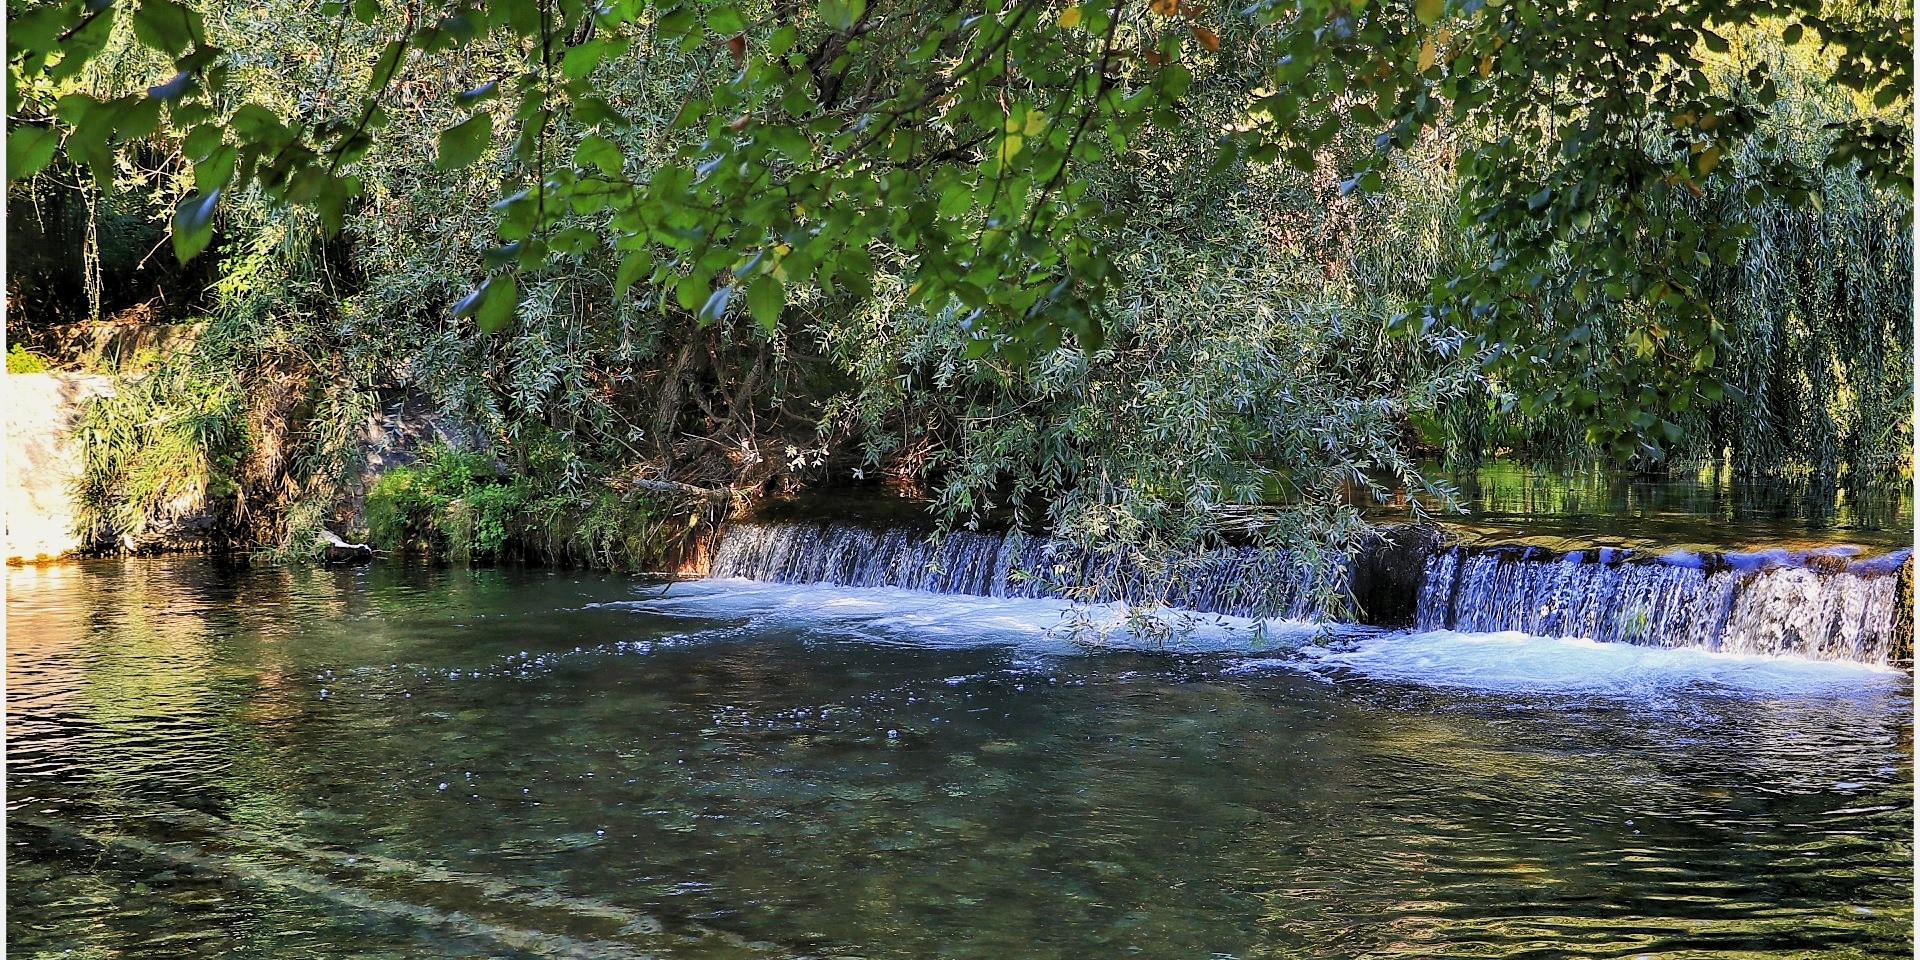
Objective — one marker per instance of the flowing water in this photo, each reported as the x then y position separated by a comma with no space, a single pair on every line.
1825,604
407,761
1754,604
1242,582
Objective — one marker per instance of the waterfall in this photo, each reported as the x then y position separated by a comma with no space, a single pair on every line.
1776,603
1815,605
1237,582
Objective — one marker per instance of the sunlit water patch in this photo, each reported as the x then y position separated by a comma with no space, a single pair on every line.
401,761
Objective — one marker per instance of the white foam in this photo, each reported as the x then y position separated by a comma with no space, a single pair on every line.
1496,662
1520,663
894,615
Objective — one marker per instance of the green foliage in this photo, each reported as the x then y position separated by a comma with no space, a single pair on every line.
22,360
451,504
395,509
1813,356
768,250
161,451
820,148
1245,390
613,530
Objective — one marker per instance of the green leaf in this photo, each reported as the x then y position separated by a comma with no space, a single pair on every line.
841,14
333,200
166,26
462,144
725,20
790,143
493,305
29,149
781,41
37,29
634,266
765,300
216,170
688,291
193,224
255,122
1429,10
524,17
678,20
581,60
599,152
387,65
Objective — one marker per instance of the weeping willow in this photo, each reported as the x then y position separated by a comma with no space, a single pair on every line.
1819,314
1817,361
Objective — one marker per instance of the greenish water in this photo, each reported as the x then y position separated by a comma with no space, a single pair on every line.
405,761
1705,509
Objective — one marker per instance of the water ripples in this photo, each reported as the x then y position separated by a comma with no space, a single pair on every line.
409,762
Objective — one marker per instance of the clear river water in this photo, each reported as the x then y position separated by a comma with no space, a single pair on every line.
404,761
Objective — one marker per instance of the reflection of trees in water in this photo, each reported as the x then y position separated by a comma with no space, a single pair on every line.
1098,801
170,668
1708,505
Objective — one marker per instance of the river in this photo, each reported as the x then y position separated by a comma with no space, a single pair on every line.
404,760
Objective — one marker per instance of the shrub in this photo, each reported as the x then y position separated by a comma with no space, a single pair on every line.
449,502
159,450
22,360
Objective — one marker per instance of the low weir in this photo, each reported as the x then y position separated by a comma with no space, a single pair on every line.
990,565
1818,606
1814,605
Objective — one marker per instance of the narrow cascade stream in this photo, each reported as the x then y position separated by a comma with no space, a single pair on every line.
1810,605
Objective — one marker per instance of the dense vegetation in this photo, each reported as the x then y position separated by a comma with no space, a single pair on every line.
764,254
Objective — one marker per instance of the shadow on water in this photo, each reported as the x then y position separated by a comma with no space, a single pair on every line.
407,761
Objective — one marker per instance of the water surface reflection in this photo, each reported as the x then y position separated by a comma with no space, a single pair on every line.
405,761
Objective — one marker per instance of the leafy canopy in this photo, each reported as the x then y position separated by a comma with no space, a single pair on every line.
949,137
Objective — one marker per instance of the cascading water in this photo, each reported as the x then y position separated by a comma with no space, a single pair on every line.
1241,582
1816,607
1810,606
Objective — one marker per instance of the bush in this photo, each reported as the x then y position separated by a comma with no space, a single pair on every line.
453,505
449,502
159,451
22,360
